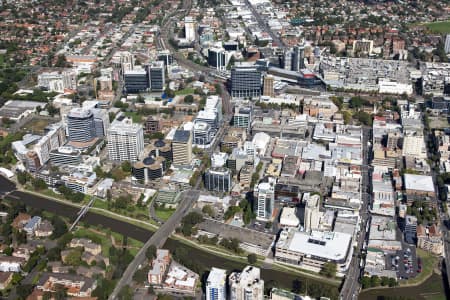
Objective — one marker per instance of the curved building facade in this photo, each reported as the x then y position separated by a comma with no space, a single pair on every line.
149,168
161,148
81,125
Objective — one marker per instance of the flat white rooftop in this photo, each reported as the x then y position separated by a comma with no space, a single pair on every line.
419,182
328,245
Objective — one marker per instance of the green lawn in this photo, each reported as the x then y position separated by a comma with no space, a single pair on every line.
95,237
185,91
136,117
94,234
164,213
439,27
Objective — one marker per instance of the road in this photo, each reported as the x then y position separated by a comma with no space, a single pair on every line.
164,42
351,286
263,25
157,239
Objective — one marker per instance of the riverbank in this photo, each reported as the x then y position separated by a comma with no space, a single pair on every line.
431,289
204,258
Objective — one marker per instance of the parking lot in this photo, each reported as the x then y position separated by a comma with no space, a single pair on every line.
404,262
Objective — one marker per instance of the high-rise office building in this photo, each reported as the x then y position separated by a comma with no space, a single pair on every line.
157,76
65,155
214,104
242,117
312,212
447,44
245,81
137,80
218,179
287,62
298,59
125,140
264,194
203,133
182,147
101,121
410,229
189,29
268,86
216,284
246,285
166,57
217,58
81,125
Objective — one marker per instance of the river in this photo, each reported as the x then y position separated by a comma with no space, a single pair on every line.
204,259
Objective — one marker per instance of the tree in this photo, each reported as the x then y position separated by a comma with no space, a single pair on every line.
189,99
357,102
252,258
74,257
23,290
22,177
329,269
38,184
60,227
126,166
374,281
169,93
208,210
384,281
126,293
123,201
151,252
61,61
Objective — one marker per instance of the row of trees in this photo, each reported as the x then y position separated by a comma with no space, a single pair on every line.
374,281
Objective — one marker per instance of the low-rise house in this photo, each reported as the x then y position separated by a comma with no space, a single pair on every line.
5,279
89,258
90,272
22,252
11,263
430,239
87,245
58,267
32,225
159,267
20,221
77,286
44,229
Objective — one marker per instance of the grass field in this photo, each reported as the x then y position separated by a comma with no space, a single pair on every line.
432,289
439,27
137,118
186,91
102,236
36,125
164,213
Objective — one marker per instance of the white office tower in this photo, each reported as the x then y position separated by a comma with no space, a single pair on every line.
203,134
215,284
125,140
264,193
447,44
312,212
288,60
189,27
246,285
182,148
214,104
126,60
